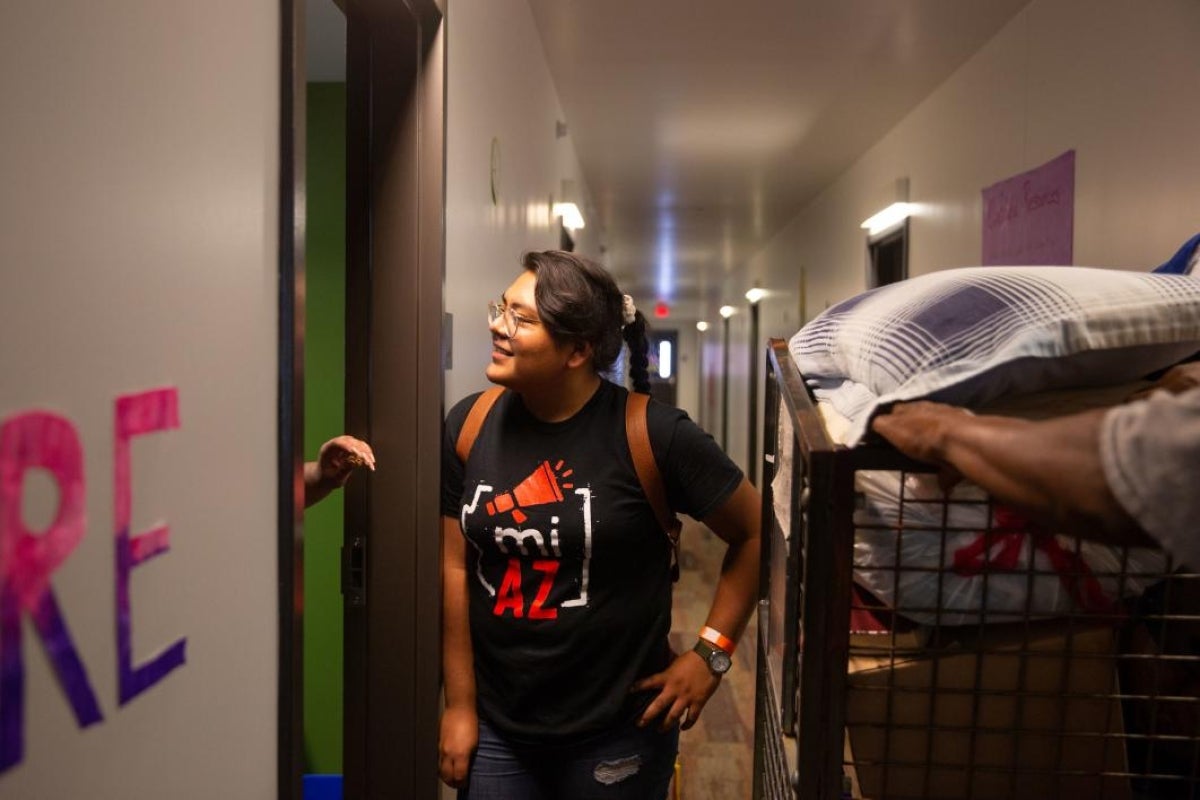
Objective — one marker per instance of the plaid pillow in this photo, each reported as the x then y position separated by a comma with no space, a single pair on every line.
970,335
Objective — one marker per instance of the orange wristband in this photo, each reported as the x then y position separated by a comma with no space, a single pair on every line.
717,639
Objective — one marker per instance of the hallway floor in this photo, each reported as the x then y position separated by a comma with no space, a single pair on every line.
717,755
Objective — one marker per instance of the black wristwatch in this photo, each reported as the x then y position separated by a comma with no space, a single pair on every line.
717,659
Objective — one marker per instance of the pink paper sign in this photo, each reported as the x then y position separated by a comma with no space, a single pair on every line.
1030,218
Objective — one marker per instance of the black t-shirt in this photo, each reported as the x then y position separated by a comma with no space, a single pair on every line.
568,569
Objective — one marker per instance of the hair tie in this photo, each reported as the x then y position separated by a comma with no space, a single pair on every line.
628,311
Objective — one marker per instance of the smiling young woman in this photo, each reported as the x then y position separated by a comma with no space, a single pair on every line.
552,373
558,678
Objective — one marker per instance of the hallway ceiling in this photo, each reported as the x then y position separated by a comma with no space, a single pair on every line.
703,126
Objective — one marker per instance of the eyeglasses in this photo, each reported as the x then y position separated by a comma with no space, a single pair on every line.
512,320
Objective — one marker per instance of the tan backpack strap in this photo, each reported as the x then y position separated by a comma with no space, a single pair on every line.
638,433
474,421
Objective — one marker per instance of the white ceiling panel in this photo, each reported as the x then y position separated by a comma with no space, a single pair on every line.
704,126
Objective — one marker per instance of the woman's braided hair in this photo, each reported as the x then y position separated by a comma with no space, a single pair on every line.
579,303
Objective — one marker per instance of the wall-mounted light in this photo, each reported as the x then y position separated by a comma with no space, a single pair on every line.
664,359
894,214
755,294
702,326
572,219
728,311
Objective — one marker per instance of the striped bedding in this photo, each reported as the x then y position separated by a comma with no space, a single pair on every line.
970,335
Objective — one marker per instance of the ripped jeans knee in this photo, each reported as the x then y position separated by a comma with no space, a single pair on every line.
617,770
627,763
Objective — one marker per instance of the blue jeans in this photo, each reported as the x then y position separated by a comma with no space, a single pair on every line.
626,763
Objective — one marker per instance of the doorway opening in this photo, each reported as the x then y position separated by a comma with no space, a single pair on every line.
369,140
888,256
324,377
664,365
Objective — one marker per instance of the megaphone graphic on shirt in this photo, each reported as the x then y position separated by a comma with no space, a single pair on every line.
540,487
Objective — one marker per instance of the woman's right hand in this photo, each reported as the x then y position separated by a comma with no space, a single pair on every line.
459,736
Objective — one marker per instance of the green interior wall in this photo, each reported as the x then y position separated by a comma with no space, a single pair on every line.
324,418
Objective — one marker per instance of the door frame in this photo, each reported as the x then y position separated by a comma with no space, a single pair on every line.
391,754
395,240
290,400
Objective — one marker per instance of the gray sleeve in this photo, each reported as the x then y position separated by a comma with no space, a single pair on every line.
1151,456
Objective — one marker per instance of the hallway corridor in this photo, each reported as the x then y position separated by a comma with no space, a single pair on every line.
717,755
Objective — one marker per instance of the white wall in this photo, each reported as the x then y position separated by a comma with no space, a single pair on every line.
687,383
138,241
498,86
1113,80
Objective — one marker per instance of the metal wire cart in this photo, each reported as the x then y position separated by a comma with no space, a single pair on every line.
1006,662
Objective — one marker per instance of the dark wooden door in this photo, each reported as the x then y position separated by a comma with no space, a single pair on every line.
395,200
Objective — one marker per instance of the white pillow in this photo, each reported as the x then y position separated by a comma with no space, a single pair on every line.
970,335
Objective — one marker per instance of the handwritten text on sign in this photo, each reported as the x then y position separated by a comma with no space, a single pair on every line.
1030,218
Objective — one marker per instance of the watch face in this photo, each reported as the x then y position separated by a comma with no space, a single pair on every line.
720,662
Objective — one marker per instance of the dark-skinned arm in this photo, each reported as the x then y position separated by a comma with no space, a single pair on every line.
460,721
1050,469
